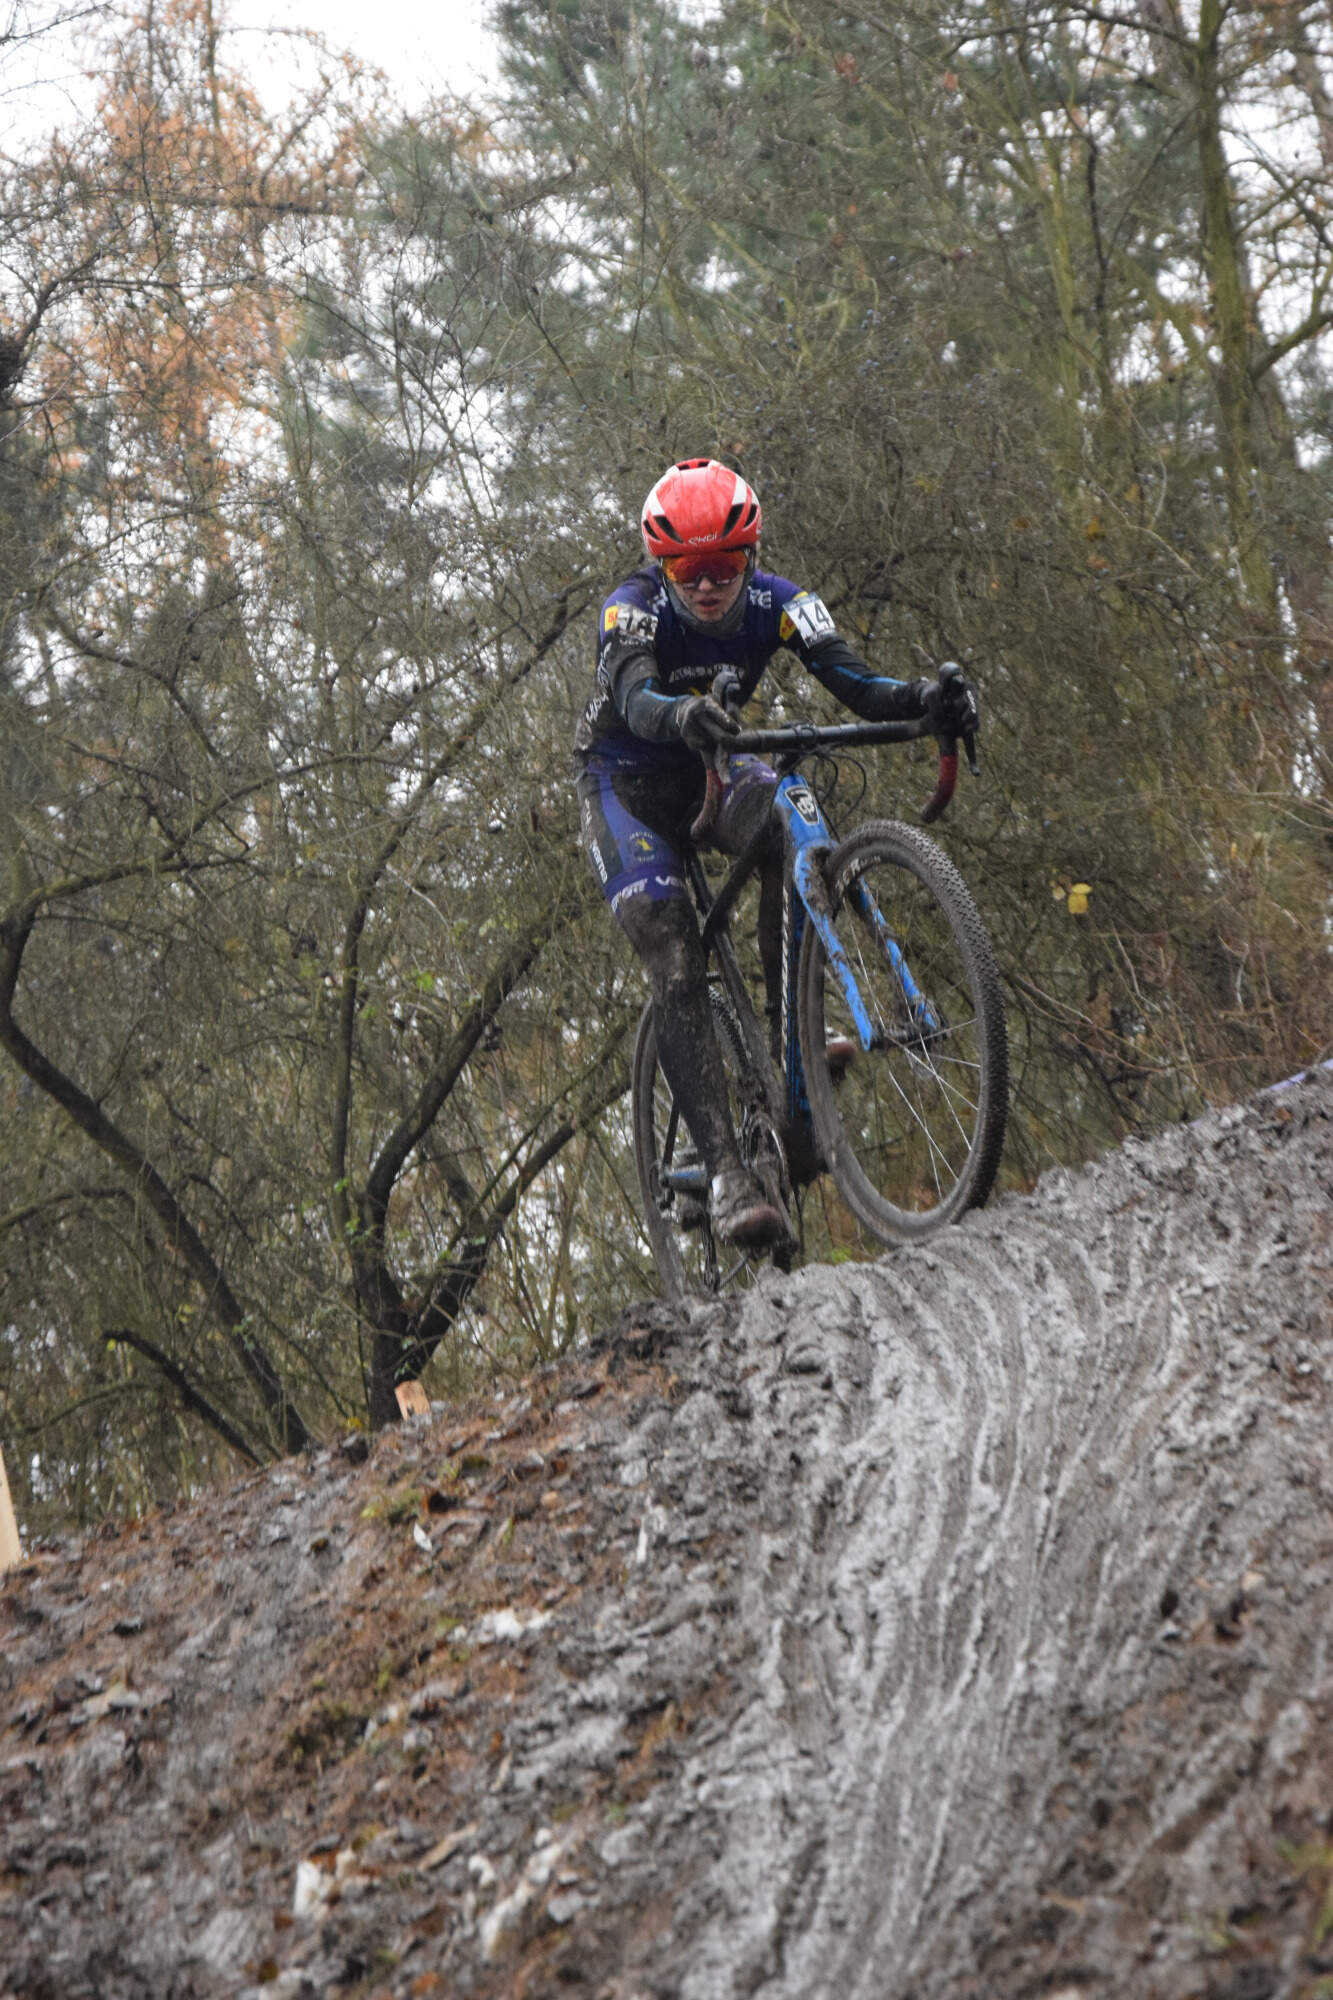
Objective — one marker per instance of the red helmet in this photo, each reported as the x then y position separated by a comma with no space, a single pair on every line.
700,504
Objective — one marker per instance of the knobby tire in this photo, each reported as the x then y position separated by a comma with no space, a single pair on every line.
913,1133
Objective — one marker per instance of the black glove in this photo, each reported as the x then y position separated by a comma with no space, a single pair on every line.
950,705
701,722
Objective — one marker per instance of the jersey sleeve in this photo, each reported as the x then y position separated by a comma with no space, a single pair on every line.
627,668
806,626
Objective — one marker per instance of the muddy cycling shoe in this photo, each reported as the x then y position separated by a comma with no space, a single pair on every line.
742,1213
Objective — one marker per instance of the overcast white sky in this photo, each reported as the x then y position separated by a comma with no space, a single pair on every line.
424,48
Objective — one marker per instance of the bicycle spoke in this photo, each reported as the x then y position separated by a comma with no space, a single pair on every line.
893,960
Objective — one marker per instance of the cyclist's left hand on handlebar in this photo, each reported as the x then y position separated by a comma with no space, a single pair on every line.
702,722
950,704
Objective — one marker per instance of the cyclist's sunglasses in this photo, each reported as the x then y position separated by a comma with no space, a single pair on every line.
718,565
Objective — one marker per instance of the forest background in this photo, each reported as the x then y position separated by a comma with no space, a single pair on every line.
323,433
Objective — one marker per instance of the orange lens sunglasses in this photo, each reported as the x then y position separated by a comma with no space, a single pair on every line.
718,565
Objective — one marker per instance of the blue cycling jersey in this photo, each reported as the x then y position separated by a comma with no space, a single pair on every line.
645,645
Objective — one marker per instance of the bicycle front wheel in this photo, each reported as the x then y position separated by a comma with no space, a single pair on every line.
912,1127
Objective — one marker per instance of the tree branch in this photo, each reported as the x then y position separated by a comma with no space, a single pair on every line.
89,1117
193,1397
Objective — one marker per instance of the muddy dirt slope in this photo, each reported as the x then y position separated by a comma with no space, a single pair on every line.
956,1626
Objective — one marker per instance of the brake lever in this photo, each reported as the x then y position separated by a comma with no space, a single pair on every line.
945,782
726,691
948,775
702,825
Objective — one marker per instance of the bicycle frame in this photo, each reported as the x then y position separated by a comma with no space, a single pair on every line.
857,987
808,839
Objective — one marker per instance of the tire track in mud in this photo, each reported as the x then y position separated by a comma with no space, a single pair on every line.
984,1472
955,1627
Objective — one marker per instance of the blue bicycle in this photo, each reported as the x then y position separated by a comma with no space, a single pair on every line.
894,1070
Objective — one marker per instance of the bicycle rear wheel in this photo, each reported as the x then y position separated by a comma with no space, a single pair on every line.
672,1183
913,1127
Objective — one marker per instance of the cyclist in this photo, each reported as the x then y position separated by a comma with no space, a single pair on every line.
699,604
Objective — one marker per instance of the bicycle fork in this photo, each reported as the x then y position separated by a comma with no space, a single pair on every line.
811,840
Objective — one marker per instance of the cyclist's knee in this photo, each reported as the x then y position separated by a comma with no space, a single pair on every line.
747,806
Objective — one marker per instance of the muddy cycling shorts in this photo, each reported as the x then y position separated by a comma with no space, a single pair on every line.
635,824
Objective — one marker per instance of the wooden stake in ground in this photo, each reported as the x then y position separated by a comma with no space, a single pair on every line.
10,1552
412,1399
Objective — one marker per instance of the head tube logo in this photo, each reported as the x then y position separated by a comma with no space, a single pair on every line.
802,801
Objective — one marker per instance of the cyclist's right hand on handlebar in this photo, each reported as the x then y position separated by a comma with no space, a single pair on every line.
702,722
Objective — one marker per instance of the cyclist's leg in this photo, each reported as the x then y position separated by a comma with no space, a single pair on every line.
625,823
640,870
666,937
